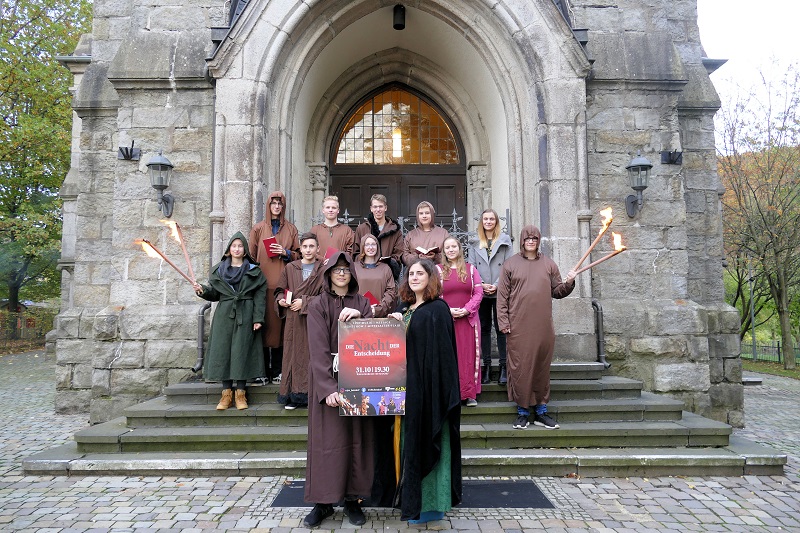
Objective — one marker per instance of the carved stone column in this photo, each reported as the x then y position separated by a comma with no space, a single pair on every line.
480,192
318,177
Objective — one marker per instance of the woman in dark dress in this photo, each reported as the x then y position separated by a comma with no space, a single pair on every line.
430,468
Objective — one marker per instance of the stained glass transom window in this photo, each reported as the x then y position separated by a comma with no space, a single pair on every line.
397,127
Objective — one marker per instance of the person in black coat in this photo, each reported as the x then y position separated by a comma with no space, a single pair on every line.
431,439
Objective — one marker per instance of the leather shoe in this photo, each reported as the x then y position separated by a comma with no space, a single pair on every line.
503,375
353,511
485,371
320,512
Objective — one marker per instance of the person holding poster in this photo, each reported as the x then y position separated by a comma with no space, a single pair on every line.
462,290
234,352
339,464
375,277
528,283
424,241
274,244
298,284
430,475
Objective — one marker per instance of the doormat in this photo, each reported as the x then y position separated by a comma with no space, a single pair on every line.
488,494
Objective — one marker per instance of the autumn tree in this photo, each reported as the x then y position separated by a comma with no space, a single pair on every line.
35,136
759,164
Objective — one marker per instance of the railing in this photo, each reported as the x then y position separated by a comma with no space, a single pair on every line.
771,352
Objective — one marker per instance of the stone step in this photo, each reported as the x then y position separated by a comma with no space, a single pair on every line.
606,387
691,430
160,413
740,457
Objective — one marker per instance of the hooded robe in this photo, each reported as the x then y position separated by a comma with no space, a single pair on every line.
272,267
378,281
340,452
433,238
234,350
294,367
525,306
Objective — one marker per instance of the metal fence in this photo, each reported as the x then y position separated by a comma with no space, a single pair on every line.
771,352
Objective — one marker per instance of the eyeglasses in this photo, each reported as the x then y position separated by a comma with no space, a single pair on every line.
340,270
275,202
530,239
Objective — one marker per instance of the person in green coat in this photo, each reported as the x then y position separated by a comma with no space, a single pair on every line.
234,352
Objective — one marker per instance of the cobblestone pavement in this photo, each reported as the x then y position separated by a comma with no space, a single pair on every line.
65,504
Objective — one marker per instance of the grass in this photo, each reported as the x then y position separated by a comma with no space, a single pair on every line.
775,369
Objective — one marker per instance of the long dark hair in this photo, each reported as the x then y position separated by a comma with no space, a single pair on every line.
431,292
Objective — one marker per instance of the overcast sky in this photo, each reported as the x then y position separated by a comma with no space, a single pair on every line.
748,33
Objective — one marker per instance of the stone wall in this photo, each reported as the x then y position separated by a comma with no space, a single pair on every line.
665,317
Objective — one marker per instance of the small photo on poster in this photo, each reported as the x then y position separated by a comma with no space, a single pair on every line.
372,367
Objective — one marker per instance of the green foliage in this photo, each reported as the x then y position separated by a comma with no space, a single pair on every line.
760,169
35,138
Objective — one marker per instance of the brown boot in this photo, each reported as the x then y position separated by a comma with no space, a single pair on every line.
226,400
241,401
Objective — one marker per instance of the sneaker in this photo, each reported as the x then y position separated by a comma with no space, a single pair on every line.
354,513
290,406
472,402
521,422
546,421
320,512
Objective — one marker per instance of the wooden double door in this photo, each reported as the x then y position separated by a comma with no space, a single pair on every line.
404,187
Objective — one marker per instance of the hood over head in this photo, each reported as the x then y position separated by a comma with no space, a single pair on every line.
282,198
530,231
326,272
241,237
426,203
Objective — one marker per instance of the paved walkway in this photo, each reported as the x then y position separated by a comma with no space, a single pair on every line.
65,504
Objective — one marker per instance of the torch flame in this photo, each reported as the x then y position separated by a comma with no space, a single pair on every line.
173,227
617,241
148,249
607,218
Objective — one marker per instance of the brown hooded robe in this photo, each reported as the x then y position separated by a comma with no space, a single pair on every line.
340,453
294,367
272,267
426,239
525,305
378,281
339,237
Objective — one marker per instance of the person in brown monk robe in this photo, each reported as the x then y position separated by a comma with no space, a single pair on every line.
528,283
283,251
427,235
302,281
331,233
340,457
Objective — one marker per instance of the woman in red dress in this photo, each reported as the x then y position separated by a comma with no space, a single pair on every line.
463,292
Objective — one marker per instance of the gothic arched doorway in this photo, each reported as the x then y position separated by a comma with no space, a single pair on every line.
398,143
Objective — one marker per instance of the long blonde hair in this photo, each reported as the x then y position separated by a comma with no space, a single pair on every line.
460,264
482,232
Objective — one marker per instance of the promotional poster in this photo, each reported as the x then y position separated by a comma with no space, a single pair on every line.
372,367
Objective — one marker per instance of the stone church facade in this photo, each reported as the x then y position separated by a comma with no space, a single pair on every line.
549,100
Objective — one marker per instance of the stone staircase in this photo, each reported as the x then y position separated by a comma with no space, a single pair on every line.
609,427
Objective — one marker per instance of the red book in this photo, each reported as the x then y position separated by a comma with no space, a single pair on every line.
426,251
330,251
267,242
372,300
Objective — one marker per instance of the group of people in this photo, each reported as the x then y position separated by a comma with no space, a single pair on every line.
448,306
